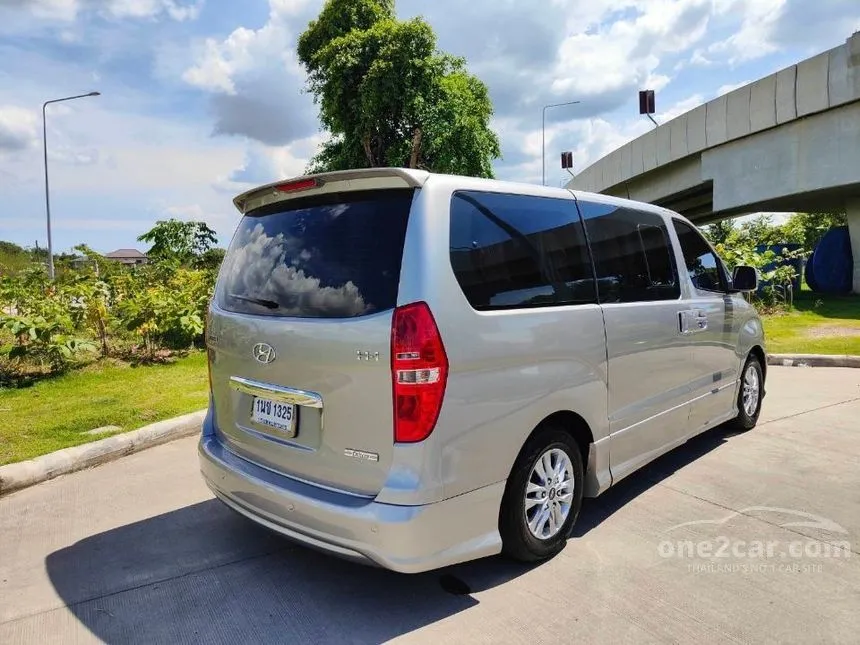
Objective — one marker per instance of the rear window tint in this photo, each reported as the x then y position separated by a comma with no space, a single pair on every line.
333,257
512,251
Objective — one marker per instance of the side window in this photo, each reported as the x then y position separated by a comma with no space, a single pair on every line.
512,251
632,254
703,265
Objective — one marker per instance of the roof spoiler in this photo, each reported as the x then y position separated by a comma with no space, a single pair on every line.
330,182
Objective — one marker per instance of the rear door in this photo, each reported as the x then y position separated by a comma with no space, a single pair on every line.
300,331
712,329
648,358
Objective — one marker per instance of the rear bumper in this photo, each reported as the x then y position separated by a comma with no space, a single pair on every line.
408,539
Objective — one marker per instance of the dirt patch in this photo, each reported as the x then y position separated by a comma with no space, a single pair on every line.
831,331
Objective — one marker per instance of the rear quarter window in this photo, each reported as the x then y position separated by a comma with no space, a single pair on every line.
512,251
338,256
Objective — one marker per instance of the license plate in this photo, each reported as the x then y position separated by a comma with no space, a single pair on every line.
274,414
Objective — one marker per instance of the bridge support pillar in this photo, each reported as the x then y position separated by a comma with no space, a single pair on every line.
852,210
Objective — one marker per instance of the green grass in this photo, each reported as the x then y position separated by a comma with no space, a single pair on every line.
818,324
55,413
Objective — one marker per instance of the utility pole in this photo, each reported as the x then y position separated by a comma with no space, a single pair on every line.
543,136
47,190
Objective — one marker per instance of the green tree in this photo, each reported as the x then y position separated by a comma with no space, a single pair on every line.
13,258
719,232
389,97
211,259
808,228
178,241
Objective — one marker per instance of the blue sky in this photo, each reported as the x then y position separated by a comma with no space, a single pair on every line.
202,99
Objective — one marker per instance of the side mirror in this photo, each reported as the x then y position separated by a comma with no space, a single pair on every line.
744,279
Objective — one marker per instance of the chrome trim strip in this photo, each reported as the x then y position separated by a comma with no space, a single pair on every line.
276,392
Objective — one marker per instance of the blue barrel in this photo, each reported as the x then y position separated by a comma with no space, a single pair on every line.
810,272
832,263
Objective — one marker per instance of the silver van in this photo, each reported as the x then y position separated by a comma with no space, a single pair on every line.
414,370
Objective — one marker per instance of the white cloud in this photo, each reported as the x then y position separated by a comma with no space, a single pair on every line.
754,38
62,10
264,164
69,10
188,212
288,7
730,87
256,81
681,107
218,62
19,128
149,8
627,53
73,156
247,50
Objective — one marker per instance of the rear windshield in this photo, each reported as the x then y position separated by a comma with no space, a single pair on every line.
336,256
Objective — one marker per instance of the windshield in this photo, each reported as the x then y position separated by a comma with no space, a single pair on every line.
337,256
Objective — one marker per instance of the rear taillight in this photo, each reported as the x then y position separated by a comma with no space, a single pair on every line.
419,370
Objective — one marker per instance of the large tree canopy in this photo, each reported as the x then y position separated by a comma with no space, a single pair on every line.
389,97
184,242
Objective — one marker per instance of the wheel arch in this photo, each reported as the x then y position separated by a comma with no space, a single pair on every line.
758,352
578,428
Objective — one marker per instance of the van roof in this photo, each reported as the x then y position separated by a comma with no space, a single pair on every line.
380,178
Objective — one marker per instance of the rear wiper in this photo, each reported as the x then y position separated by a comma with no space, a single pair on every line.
268,304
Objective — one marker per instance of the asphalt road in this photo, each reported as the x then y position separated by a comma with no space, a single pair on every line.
137,551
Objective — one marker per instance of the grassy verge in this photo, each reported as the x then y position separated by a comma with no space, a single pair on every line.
57,413
818,324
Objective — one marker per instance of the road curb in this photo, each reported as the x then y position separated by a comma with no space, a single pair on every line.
814,360
27,473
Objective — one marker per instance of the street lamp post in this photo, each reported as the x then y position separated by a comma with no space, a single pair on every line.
47,191
543,136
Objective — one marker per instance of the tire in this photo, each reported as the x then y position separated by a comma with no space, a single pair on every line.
518,540
747,418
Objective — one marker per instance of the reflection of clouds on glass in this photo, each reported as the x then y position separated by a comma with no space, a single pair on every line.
335,210
259,268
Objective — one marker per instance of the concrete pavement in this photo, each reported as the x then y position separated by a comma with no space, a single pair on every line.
138,551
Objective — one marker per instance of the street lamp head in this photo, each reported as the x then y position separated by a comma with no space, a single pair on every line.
94,94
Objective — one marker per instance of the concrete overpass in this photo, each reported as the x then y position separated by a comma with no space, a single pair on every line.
787,142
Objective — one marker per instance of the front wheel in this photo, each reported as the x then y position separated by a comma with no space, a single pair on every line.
749,395
543,496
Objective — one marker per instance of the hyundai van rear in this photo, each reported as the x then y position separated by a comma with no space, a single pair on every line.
412,370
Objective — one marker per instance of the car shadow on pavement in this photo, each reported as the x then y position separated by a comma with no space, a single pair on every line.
204,574
595,511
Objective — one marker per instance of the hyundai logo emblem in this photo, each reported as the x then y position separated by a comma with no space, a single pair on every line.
264,353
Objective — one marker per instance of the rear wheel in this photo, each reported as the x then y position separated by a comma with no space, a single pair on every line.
749,395
543,496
